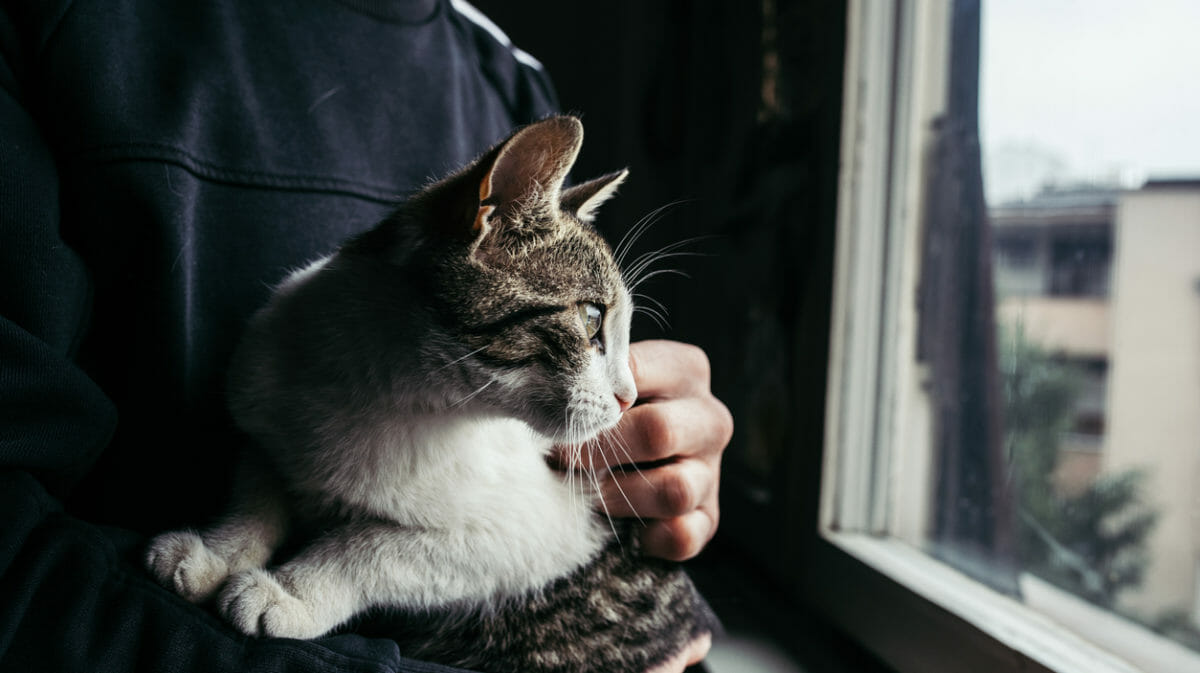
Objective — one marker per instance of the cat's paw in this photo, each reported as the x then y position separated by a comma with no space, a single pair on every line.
182,562
255,603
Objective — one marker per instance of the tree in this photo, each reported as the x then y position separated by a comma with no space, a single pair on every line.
1092,543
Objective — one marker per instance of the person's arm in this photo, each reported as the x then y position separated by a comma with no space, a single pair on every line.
73,595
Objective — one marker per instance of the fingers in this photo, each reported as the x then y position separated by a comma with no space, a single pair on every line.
691,426
677,502
668,448
668,369
676,437
698,649
682,537
661,492
694,653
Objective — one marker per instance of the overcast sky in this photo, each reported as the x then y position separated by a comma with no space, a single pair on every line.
1088,90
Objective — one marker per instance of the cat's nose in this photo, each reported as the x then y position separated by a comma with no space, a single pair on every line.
625,402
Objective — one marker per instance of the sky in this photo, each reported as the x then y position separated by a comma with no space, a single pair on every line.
1088,90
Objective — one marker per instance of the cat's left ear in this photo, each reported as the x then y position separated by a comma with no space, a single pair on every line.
583,200
527,172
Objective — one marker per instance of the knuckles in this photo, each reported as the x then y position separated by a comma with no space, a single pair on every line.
658,431
677,494
675,540
723,419
694,361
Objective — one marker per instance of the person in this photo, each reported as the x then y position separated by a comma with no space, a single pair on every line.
162,165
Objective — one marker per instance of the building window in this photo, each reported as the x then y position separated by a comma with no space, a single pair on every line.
1014,405
1079,265
1016,251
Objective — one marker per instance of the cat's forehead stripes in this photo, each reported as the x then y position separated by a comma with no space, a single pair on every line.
515,318
524,311
558,270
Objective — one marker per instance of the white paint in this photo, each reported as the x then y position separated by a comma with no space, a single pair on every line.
480,19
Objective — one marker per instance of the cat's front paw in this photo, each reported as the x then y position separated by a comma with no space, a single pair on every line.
182,562
255,603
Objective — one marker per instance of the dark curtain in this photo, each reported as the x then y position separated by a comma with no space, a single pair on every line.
973,525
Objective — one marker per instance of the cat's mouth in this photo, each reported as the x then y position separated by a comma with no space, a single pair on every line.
586,457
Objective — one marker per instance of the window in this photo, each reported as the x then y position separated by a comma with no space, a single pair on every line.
1014,251
1079,265
1013,421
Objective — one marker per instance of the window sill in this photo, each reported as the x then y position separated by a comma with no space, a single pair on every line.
1014,630
748,654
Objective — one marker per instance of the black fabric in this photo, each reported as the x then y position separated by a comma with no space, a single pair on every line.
162,165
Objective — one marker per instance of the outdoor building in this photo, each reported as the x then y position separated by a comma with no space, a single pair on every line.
1053,258
1109,281
1154,382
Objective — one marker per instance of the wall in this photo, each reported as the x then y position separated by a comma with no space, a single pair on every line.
1154,384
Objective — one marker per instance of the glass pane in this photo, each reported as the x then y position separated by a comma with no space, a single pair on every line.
1091,166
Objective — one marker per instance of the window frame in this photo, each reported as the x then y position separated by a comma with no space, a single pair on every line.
862,567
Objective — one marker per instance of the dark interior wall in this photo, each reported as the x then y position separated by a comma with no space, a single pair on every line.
666,88
732,109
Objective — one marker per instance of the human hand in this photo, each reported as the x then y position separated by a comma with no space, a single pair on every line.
675,435
694,654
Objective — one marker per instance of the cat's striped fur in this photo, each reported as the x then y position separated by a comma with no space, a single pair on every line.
404,395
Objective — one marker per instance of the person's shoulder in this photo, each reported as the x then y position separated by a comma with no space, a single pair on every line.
27,25
519,76
472,19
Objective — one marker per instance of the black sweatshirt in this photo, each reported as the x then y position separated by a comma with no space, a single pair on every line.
163,163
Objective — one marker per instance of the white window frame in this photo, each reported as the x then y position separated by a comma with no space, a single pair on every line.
915,612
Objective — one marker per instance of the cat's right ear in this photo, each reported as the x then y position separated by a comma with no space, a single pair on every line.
524,176
583,200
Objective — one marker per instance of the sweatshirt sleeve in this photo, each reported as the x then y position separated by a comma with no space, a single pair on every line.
73,595
53,419
519,78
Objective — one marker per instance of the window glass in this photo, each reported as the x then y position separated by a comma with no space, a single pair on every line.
1091,174
1014,379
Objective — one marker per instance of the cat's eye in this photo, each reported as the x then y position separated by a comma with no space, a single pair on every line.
592,318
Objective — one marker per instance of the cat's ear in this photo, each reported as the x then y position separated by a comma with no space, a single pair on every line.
583,200
527,172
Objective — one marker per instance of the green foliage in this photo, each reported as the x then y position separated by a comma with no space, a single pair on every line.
1093,543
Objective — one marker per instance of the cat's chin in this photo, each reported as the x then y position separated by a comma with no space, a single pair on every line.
574,429
573,435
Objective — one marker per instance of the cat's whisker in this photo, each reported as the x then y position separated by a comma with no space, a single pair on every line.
657,312
643,225
620,490
635,232
454,362
669,248
644,262
657,304
574,460
567,448
660,272
636,274
617,442
666,249
654,315
595,478
470,397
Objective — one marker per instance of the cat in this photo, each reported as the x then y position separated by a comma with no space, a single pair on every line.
403,395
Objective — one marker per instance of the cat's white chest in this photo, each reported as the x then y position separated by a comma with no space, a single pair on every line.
480,492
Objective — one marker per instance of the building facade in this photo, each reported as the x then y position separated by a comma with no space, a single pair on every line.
1109,281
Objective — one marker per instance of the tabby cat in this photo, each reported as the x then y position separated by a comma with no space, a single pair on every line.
403,395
